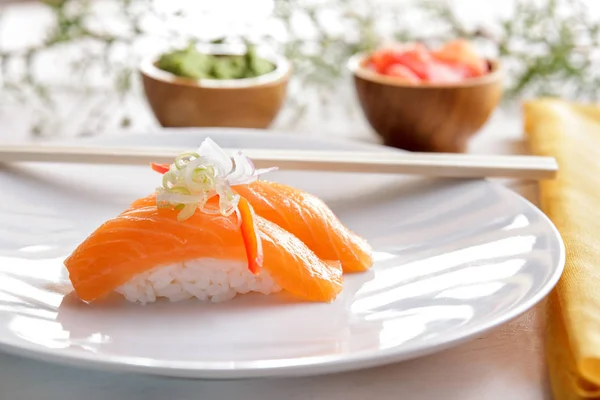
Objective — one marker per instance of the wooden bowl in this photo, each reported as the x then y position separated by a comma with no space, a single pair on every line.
245,103
426,117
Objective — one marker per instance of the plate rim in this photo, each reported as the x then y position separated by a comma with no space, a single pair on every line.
288,367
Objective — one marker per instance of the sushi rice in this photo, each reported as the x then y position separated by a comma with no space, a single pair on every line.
210,280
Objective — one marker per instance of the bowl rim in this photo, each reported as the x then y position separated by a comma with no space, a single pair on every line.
283,68
355,65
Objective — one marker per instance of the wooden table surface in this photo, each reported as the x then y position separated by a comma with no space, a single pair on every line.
505,363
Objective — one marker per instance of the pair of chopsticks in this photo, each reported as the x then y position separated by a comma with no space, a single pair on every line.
426,164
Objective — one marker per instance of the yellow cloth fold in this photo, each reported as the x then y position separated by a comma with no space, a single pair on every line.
571,133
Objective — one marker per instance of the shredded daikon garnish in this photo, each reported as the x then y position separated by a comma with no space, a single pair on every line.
196,177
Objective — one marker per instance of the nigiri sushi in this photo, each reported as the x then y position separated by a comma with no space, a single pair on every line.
199,236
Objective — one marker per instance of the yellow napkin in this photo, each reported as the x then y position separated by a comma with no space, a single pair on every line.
571,133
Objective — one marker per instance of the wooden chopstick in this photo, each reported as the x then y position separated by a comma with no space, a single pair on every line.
426,164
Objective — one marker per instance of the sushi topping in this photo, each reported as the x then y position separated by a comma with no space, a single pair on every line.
250,234
196,177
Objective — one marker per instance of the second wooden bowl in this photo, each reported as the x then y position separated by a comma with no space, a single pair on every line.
426,117
242,103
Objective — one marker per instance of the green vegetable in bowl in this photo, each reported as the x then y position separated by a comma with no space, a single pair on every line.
190,63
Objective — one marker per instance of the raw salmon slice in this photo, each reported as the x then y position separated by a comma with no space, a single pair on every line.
309,219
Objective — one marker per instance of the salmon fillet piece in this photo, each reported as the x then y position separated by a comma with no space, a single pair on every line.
309,219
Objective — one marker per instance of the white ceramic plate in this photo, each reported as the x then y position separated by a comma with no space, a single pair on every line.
453,259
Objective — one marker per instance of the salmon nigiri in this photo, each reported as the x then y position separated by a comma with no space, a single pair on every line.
197,237
147,252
